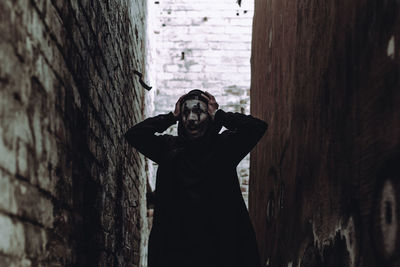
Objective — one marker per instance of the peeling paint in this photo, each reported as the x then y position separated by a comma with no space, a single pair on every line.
391,48
388,217
346,232
349,235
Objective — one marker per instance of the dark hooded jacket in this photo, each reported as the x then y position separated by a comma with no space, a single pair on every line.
200,218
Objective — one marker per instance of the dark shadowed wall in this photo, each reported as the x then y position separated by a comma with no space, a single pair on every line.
71,189
325,180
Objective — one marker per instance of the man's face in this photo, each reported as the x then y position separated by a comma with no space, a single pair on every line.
195,118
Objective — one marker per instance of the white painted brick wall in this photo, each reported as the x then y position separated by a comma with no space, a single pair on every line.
204,44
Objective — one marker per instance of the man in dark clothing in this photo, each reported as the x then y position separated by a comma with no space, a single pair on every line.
200,218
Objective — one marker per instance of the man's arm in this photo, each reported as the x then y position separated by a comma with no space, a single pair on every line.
245,132
142,136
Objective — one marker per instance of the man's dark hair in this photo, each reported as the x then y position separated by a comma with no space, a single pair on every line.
194,94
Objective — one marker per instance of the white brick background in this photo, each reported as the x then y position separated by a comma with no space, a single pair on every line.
203,44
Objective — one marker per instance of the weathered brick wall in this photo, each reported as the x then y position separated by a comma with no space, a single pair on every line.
326,177
71,189
206,45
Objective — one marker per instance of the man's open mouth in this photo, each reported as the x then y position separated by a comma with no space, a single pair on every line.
193,129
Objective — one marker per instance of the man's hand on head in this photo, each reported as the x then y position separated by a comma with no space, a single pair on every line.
212,104
177,111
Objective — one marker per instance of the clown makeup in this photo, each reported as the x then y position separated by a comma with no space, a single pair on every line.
195,118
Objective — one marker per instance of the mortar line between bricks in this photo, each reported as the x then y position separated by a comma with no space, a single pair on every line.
13,257
101,54
23,219
59,200
90,52
46,194
60,50
100,98
59,109
65,146
85,41
58,76
131,82
95,114
119,46
23,179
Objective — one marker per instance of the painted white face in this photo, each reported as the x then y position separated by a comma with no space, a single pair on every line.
195,118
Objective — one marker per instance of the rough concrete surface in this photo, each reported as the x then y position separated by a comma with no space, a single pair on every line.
325,179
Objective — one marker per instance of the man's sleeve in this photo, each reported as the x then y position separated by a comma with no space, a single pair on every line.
142,136
245,132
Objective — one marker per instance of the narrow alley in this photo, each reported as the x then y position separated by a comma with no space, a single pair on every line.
322,186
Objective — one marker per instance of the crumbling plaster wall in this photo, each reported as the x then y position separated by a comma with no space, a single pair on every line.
72,192
325,178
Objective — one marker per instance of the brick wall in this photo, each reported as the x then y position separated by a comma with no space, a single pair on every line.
326,177
204,44
71,189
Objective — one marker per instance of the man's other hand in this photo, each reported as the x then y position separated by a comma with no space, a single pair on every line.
212,104
177,111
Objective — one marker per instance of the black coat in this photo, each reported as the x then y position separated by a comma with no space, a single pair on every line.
200,218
